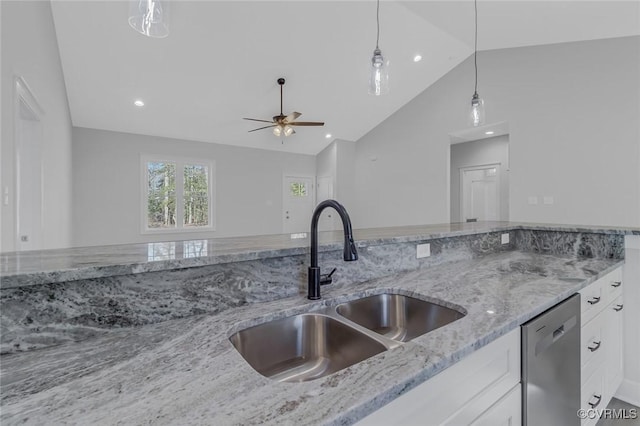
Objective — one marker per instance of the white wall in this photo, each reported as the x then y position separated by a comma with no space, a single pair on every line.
327,161
487,151
345,173
337,161
30,51
106,177
572,110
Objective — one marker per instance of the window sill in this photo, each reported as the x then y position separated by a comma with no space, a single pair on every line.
177,230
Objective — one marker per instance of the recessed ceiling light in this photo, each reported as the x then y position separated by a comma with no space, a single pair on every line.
138,103
491,312
328,136
490,132
417,58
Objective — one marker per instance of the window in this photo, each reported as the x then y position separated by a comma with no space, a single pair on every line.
177,195
298,189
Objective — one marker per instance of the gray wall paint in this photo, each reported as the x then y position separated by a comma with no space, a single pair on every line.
486,151
106,177
573,113
31,52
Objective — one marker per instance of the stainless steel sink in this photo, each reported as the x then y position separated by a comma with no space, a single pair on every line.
398,317
303,347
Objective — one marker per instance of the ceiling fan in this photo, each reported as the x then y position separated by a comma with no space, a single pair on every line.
282,124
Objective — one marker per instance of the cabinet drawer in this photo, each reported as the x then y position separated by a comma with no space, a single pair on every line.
592,301
592,395
613,285
597,295
592,345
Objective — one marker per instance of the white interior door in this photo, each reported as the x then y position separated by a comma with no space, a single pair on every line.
298,201
480,195
325,192
28,137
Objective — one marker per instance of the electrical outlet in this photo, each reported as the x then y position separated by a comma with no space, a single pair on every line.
423,250
547,199
505,238
533,199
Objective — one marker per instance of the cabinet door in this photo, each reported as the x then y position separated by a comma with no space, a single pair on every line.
506,412
614,349
592,395
459,394
593,344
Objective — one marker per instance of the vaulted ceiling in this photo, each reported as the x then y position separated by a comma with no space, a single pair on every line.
221,60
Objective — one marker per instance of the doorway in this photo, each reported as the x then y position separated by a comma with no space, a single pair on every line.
28,149
479,194
479,177
298,201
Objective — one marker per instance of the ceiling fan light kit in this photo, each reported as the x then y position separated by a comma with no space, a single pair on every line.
150,17
282,124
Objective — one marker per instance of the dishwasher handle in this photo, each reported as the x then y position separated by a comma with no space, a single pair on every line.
545,342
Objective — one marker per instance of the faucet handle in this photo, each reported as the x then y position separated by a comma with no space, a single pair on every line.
326,279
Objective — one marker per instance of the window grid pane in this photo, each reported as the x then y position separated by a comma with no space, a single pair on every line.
196,196
298,189
161,195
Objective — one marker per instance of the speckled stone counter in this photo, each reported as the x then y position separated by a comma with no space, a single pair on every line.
39,314
18,269
186,372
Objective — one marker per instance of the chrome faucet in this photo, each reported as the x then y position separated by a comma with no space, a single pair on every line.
350,252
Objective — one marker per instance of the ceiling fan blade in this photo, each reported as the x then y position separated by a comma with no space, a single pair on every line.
292,116
255,119
265,127
307,123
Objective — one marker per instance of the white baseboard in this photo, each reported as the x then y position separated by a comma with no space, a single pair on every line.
629,392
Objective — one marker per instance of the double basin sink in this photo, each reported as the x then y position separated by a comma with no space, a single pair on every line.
313,345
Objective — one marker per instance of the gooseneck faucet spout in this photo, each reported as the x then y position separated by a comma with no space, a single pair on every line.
349,253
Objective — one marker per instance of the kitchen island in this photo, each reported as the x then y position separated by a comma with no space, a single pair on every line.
184,370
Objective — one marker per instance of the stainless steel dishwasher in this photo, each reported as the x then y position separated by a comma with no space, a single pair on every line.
551,366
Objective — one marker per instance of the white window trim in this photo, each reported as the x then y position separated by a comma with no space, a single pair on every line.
180,163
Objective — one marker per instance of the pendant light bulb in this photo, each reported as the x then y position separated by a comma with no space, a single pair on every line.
288,130
477,110
379,73
379,77
150,17
277,131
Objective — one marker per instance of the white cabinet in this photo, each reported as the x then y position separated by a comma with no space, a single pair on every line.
481,389
506,412
614,355
601,339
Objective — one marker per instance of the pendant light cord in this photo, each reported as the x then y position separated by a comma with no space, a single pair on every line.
475,54
378,23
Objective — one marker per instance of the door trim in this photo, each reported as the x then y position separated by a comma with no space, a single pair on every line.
24,95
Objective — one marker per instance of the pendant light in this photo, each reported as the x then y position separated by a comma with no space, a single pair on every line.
477,104
379,77
150,17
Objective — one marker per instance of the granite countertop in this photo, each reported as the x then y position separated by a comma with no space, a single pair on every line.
59,265
186,371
